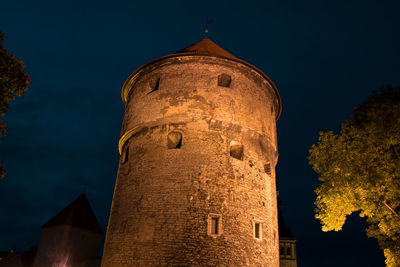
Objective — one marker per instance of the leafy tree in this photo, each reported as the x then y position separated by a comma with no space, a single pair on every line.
13,82
360,171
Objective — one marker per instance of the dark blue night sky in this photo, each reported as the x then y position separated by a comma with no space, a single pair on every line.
324,56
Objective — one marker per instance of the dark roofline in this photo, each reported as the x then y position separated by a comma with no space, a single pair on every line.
79,214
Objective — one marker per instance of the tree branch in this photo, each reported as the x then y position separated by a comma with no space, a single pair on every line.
390,208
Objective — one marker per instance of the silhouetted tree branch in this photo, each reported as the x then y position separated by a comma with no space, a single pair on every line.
13,82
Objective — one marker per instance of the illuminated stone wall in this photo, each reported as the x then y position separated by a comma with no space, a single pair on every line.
168,190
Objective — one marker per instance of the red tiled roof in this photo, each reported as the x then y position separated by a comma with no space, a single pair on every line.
206,46
78,214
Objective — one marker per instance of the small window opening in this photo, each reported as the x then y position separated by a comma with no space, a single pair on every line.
214,226
257,230
214,223
174,140
267,168
124,156
224,80
288,251
236,150
154,85
282,251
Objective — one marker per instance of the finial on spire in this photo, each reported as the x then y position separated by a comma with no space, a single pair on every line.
206,28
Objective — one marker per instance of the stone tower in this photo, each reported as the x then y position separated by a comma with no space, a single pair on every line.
196,180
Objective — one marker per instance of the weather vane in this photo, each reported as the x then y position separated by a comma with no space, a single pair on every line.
206,28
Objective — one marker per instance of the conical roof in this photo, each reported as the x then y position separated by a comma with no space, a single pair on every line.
78,214
206,46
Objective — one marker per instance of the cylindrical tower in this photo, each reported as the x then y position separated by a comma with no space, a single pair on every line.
196,180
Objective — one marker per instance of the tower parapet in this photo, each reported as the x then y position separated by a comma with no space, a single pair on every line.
196,180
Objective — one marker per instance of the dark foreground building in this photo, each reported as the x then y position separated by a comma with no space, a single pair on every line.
71,239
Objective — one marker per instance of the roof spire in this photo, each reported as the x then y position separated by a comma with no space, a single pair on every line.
206,27
206,47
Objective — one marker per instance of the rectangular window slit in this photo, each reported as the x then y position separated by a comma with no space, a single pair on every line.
257,230
214,225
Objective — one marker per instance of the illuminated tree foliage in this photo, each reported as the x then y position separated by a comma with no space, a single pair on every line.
360,171
13,82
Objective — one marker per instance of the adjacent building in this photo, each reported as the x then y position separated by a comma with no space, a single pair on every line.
72,238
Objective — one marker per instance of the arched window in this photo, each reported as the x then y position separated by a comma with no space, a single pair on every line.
236,150
174,140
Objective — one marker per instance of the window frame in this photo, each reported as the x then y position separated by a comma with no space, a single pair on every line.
219,226
260,229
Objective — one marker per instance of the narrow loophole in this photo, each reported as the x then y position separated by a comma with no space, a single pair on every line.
214,225
154,85
257,230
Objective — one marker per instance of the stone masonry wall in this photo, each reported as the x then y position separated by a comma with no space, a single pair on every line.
164,197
